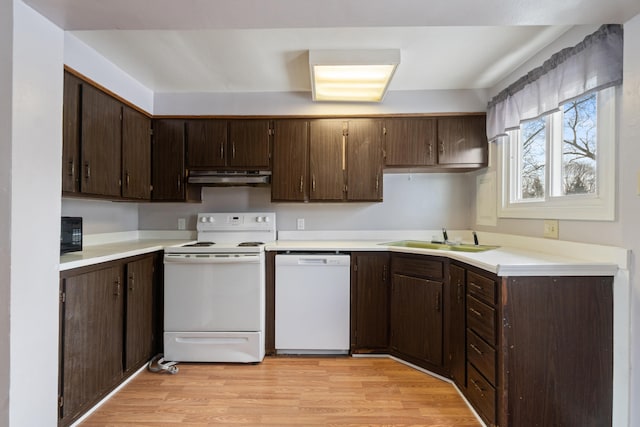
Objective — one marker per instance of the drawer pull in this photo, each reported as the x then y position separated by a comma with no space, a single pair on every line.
476,312
477,387
476,349
475,285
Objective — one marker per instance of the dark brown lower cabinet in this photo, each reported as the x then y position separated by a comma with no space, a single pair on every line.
106,323
417,310
457,342
370,297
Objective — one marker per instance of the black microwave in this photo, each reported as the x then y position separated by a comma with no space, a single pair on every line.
71,234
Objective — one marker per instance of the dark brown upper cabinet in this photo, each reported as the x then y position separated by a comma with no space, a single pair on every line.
250,146
290,170
136,155
462,141
101,138
364,160
327,163
345,160
206,143
410,142
71,133
168,175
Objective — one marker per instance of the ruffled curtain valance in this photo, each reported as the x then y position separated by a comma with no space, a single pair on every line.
591,65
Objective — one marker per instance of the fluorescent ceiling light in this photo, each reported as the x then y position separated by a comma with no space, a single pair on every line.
352,75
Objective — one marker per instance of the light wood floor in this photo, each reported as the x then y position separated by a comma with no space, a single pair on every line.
287,391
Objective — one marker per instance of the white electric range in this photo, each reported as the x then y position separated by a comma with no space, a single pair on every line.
214,290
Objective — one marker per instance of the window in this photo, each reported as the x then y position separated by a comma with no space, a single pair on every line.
562,165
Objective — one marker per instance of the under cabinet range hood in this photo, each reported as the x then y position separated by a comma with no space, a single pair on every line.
229,178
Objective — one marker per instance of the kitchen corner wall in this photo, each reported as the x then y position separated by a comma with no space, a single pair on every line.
411,201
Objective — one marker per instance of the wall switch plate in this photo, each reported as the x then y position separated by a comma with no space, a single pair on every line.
551,228
182,224
300,224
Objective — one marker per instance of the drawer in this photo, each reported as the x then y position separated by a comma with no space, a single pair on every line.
482,356
481,287
481,394
481,319
421,266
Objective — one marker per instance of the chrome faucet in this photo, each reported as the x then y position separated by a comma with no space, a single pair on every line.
445,236
475,238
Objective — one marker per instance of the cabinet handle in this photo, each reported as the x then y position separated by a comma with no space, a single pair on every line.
377,181
87,171
476,349
116,290
233,149
459,292
127,180
430,151
222,150
476,312
442,147
301,183
475,285
179,183
384,273
313,183
438,301
344,152
477,387
72,168
132,280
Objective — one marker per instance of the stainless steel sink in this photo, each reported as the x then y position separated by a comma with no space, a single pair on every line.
421,244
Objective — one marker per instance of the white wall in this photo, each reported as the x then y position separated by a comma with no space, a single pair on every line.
101,216
6,82
36,145
629,199
87,61
411,202
300,103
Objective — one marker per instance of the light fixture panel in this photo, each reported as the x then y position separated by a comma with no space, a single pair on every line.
352,75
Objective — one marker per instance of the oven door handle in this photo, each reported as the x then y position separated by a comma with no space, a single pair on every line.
211,259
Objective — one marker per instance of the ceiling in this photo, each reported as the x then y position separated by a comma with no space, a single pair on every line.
262,45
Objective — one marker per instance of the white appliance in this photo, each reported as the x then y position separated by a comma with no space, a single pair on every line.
312,304
214,290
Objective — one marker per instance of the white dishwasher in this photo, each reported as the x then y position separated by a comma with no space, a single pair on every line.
312,303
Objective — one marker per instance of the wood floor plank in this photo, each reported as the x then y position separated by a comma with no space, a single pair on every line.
287,391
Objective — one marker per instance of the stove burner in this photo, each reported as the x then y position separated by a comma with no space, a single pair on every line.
250,244
199,244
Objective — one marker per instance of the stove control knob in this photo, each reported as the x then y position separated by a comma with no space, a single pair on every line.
259,219
266,219
211,219
203,219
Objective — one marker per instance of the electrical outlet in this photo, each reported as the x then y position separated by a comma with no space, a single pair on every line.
182,224
300,224
551,228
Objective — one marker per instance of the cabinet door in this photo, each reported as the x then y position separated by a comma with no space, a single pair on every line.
206,143
327,162
91,338
139,312
364,160
410,142
290,179
101,143
457,343
168,160
136,154
71,133
371,295
462,140
416,318
250,148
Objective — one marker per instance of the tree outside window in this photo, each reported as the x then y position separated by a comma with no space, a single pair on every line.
579,145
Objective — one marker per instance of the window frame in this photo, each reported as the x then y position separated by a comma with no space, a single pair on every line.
600,206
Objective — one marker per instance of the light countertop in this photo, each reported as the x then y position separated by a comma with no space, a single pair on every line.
503,261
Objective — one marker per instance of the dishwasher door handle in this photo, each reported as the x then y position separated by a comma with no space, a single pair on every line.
312,261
